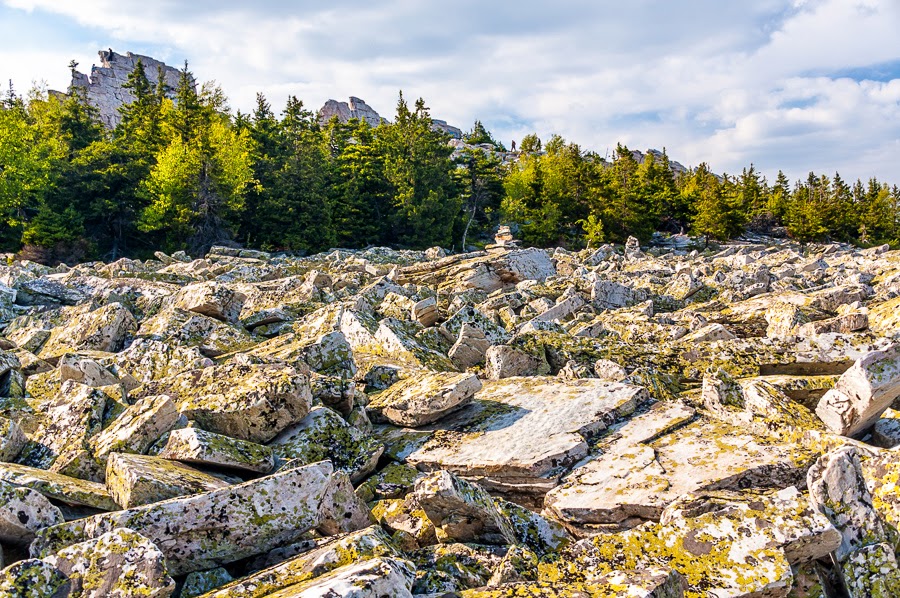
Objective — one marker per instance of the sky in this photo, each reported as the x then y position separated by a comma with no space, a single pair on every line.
796,85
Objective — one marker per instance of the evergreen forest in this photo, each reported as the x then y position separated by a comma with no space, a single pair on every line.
189,173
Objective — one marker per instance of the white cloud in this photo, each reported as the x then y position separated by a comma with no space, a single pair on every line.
725,83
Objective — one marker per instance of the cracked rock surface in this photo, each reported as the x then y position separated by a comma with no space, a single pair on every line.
658,421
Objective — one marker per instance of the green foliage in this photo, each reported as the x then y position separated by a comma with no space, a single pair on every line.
593,230
183,173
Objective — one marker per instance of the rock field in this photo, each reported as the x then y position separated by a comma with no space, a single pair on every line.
621,422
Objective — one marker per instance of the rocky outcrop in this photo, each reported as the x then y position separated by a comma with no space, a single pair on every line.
358,109
104,85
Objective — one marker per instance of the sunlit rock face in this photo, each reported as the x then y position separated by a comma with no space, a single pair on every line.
104,84
667,420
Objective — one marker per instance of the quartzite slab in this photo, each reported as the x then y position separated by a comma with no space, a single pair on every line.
206,530
523,433
640,479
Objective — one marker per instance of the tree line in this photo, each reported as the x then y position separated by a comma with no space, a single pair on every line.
188,173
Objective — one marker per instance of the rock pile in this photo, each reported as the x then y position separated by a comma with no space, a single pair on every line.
621,421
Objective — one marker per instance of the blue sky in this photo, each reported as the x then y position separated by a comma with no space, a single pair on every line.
794,84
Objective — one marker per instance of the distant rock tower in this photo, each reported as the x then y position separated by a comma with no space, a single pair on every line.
104,85
344,111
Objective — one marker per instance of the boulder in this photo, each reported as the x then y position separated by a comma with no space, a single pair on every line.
12,440
137,428
23,512
193,445
323,434
323,558
374,578
248,402
211,299
520,435
66,425
118,564
658,458
423,399
425,312
470,347
135,480
103,329
504,361
62,488
462,511
211,529
34,578
862,393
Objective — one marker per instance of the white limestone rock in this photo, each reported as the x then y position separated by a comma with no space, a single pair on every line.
520,434
118,564
137,428
23,512
12,440
323,434
248,402
462,511
135,480
207,530
862,393
211,299
423,399
193,445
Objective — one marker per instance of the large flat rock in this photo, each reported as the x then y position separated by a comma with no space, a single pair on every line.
520,435
206,530
634,477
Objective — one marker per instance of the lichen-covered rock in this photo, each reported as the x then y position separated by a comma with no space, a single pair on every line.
519,564
103,329
118,564
147,359
201,582
423,399
248,402
211,299
838,490
540,535
66,425
862,393
193,445
87,371
653,582
187,329
135,480
12,440
65,489
374,578
470,347
329,353
520,435
886,432
332,554
406,521
454,567
34,578
871,571
658,461
207,530
323,434
137,428
342,510
394,481
23,511
462,511
504,361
